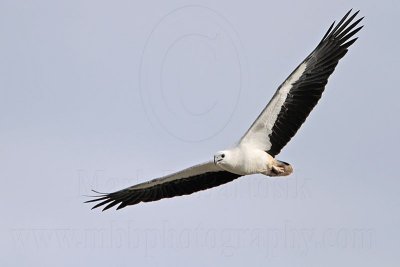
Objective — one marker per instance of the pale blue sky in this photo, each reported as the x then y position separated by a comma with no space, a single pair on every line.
104,94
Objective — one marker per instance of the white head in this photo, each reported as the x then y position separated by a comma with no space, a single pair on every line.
222,157
228,160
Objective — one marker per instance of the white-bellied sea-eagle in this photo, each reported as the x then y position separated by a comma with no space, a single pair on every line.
271,131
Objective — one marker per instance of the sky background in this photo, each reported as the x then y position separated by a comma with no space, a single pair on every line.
104,94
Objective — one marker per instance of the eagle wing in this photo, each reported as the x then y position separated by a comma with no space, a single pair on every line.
300,92
185,182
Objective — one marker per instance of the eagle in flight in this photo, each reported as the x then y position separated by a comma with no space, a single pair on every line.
271,131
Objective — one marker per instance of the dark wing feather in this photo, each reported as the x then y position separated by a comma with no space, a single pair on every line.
307,90
163,188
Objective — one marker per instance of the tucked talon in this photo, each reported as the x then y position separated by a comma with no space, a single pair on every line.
278,170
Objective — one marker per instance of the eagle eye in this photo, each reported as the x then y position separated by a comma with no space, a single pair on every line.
223,156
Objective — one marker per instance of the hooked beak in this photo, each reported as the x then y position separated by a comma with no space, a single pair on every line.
217,158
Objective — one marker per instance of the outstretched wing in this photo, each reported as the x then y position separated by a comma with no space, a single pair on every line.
188,181
298,95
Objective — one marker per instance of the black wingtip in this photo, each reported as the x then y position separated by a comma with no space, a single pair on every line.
120,207
97,192
349,12
102,198
328,31
344,29
107,200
